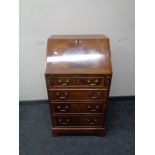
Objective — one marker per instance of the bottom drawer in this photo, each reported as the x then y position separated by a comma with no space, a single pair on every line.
78,120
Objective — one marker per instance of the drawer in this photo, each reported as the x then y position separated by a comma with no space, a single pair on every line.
78,107
78,120
66,82
77,95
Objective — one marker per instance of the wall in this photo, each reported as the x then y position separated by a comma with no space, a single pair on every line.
41,18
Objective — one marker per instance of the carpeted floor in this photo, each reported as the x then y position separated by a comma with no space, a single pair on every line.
36,139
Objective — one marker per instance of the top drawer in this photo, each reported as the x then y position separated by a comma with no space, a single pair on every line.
66,82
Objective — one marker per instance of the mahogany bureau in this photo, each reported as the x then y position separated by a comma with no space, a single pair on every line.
78,77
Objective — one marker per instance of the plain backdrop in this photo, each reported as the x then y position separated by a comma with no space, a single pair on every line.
41,18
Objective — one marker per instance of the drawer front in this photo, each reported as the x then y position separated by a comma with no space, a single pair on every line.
78,107
77,95
91,82
78,120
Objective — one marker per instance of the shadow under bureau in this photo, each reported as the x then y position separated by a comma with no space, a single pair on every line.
78,77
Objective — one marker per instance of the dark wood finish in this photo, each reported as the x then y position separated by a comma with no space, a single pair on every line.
78,55
81,82
76,94
78,77
79,107
77,120
86,131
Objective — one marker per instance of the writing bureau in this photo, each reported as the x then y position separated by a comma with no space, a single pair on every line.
78,76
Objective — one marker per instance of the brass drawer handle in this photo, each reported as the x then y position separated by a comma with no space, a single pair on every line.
93,110
63,110
65,122
59,108
93,84
77,41
94,96
62,96
92,122
65,83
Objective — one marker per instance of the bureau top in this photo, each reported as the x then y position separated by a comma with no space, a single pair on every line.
77,36
78,54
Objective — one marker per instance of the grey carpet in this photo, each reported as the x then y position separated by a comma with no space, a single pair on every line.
36,139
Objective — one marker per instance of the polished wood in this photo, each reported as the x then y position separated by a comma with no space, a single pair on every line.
78,77
78,56
78,107
81,82
70,120
76,94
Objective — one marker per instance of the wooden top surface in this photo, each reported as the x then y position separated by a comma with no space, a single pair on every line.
80,54
78,36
